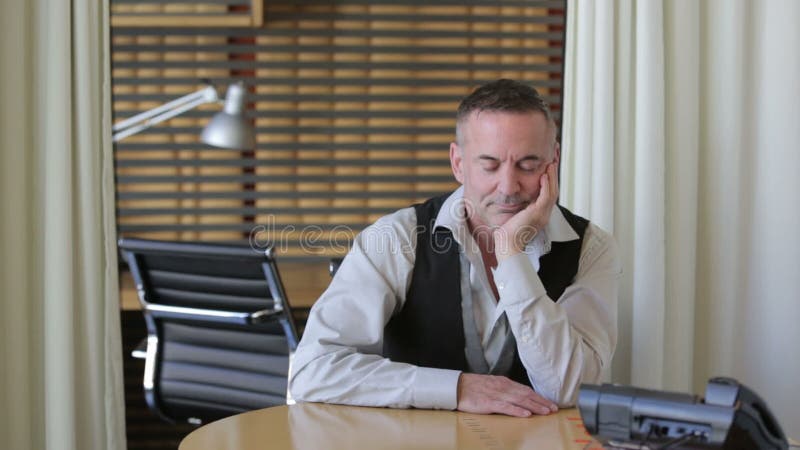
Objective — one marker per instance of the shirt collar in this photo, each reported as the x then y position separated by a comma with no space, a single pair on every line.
452,217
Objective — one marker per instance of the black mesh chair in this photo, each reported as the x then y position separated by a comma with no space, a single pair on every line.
220,330
333,265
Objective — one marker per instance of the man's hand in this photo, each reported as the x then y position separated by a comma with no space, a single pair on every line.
512,237
490,394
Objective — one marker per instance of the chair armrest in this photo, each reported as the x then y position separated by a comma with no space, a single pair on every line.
211,315
140,352
333,265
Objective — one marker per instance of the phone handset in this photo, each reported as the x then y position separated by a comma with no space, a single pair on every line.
753,412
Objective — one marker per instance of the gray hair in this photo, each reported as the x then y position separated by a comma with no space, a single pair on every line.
503,95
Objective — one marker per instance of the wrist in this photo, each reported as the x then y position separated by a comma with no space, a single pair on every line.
507,244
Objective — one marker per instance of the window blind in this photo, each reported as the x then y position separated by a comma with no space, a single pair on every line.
353,103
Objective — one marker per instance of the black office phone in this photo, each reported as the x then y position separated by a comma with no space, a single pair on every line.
730,416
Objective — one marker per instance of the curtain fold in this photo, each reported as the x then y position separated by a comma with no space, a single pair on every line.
648,192
696,136
59,308
682,26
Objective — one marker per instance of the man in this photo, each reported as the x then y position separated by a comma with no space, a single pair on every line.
487,300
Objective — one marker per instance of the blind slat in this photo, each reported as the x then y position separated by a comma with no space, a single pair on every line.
315,81
150,195
291,49
247,211
339,33
242,227
129,179
281,162
329,65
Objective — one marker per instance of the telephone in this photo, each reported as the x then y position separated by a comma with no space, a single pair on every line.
730,417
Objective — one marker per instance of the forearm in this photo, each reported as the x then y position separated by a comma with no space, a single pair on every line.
345,376
560,344
556,356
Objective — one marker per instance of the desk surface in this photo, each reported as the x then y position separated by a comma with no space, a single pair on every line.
319,426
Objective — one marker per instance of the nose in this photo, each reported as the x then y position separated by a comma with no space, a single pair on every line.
509,183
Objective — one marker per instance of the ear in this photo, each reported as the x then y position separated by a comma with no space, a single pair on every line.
557,153
457,161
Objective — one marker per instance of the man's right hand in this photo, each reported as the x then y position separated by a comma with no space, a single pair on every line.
490,394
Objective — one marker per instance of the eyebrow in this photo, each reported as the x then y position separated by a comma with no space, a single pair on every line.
492,158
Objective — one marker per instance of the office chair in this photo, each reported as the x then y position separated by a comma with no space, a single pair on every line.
220,329
333,265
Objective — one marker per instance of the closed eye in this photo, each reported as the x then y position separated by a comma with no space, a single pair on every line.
488,163
530,164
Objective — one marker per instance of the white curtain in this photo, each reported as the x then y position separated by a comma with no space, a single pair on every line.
61,378
681,135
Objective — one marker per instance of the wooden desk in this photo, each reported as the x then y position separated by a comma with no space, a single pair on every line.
315,426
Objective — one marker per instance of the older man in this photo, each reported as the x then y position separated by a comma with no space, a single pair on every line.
491,299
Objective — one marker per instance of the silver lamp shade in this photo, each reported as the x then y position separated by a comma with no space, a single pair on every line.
229,128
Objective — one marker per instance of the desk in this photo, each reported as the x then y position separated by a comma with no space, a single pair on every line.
315,426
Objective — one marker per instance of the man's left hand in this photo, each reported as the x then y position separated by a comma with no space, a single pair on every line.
512,237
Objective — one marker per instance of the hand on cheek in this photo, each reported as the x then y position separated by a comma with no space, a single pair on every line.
512,237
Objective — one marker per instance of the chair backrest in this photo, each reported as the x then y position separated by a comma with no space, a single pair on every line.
220,329
333,265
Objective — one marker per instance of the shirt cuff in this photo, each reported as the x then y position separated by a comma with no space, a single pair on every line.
435,388
517,280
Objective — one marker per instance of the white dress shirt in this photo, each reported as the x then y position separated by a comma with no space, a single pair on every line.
561,344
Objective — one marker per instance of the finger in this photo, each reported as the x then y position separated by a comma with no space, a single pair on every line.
543,402
539,399
554,179
532,406
544,188
509,392
510,409
522,396
527,398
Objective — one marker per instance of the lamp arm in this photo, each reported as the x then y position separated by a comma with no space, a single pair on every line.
163,112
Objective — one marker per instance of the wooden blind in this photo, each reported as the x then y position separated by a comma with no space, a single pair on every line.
353,102
187,13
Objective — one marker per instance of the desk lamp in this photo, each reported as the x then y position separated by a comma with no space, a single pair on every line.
227,129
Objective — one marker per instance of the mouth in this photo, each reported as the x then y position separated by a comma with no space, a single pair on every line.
511,208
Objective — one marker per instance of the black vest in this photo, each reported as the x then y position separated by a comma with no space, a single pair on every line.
429,330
